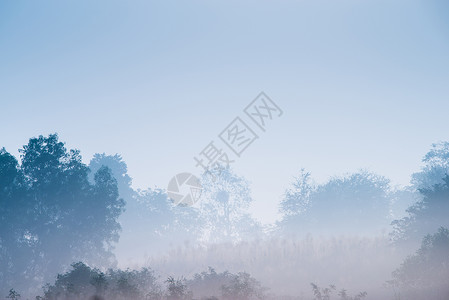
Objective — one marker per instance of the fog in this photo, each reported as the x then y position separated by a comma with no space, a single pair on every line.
224,150
74,231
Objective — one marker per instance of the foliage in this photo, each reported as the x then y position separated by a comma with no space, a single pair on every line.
83,282
326,293
209,283
436,167
224,203
54,210
243,287
177,289
426,215
151,221
296,198
51,215
427,271
13,295
356,203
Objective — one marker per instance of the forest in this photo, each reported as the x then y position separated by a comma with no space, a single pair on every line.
70,230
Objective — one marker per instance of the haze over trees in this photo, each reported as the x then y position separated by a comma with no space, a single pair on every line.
51,214
357,203
150,222
424,275
227,198
436,167
61,216
425,216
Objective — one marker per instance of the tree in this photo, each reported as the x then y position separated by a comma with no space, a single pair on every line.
51,214
208,284
243,287
425,275
12,221
355,203
326,293
83,282
430,210
150,222
76,283
13,295
425,216
224,205
177,289
296,200
133,214
322,293
436,167
119,170
99,281
158,224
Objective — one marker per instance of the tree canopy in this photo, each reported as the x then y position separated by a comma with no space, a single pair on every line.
426,215
51,215
354,203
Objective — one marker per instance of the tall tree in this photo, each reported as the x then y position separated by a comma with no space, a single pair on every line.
435,168
425,275
150,223
119,170
296,200
425,216
54,214
224,205
12,219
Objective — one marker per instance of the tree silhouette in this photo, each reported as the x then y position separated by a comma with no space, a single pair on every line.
13,201
243,287
83,282
425,275
355,203
425,216
13,295
224,205
326,293
51,215
150,222
436,167
177,289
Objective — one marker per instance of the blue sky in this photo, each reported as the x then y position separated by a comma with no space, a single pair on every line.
363,84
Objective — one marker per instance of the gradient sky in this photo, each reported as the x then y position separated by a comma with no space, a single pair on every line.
363,84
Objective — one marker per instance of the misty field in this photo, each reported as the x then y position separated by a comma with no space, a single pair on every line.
72,231
224,150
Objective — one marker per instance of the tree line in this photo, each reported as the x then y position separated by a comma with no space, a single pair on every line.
55,210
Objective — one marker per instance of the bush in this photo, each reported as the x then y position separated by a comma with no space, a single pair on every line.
425,275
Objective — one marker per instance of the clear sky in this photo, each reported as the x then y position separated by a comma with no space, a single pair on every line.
363,84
